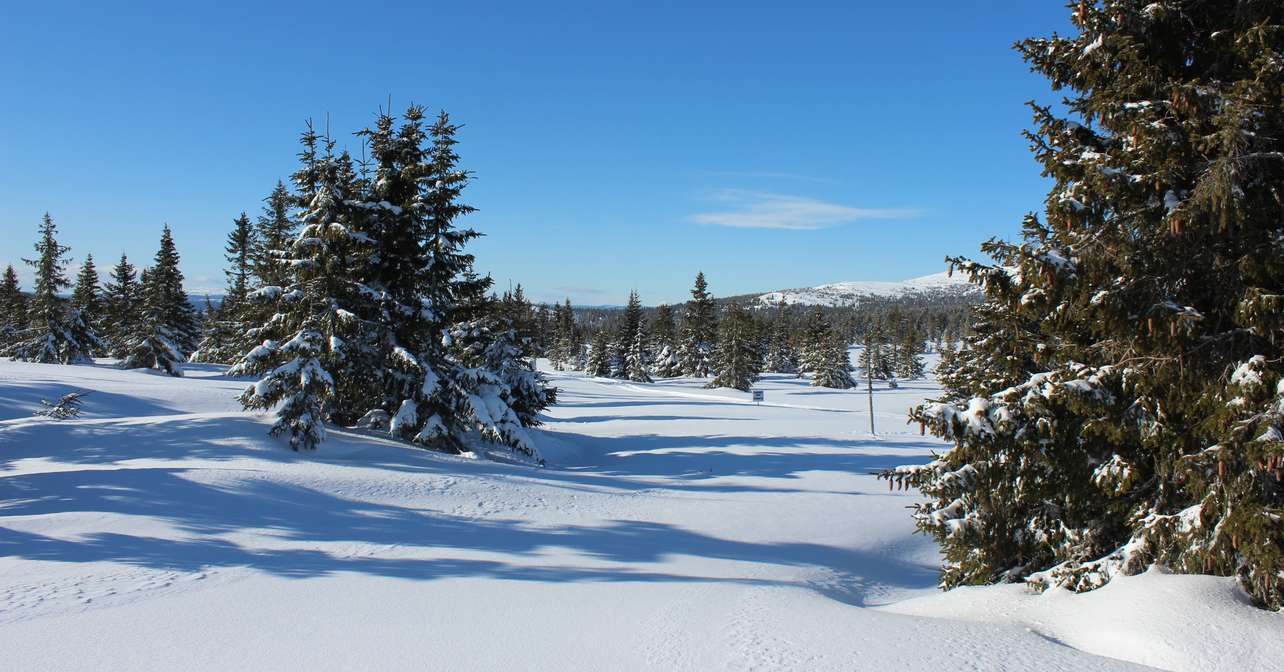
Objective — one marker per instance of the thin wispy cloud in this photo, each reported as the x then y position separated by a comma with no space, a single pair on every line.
757,210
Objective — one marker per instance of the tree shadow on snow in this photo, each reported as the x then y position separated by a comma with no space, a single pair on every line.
311,520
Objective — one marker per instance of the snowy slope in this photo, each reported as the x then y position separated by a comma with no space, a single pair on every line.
676,528
845,293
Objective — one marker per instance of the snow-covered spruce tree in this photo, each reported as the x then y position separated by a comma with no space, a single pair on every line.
274,233
227,327
86,296
876,353
168,321
599,359
835,368
1145,424
664,337
420,271
781,355
632,359
169,327
562,349
13,306
313,359
489,351
122,307
736,363
909,353
54,333
815,336
699,331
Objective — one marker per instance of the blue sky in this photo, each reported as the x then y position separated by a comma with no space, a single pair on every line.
615,145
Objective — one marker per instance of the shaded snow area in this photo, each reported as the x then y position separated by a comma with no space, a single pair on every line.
675,528
849,293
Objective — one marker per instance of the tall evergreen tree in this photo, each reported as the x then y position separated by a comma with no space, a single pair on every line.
877,354
834,369
313,359
421,270
228,325
816,334
122,307
664,335
86,296
599,360
699,331
781,355
55,333
1144,425
633,349
909,353
737,362
169,326
274,233
13,305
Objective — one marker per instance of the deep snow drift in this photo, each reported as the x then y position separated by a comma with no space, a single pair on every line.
675,528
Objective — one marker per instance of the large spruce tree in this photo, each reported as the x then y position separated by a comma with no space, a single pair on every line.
736,361
664,336
313,359
54,331
122,307
1122,402
633,350
274,234
599,359
86,296
699,331
13,305
168,328
227,326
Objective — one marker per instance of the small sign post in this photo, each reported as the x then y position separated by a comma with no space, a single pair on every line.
757,396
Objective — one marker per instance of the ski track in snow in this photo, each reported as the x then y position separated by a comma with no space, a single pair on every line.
676,528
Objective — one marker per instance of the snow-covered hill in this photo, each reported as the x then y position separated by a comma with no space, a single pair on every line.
675,528
937,285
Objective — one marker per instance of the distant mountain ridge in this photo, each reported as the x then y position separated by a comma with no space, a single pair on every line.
938,285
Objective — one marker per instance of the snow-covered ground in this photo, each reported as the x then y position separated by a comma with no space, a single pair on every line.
675,528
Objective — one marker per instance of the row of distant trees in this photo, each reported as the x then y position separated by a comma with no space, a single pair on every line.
728,343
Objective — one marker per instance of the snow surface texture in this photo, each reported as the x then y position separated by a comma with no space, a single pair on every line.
675,528
849,293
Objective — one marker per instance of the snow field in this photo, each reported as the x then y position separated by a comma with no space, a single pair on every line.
675,528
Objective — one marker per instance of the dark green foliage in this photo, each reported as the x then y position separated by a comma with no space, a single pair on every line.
168,327
227,327
54,332
13,305
782,356
86,295
664,336
699,331
122,307
382,320
311,356
599,360
1120,402
633,351
737,362
273,235
877,356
